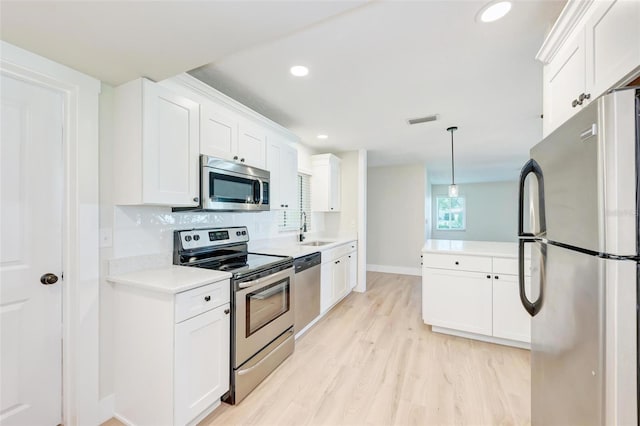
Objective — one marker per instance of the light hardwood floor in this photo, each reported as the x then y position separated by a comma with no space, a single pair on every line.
372,361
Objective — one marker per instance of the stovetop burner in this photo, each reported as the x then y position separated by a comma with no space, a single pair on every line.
223,249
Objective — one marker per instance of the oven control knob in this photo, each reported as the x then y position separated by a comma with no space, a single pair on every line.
196,237
238,233
187,238
244,232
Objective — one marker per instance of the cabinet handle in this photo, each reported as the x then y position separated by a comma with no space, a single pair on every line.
235,157
496,277
226,311
196,199
242,160
349,256
488,276
286,205
457,263
281,205
574,103
207,298
331,208
336,262
583,97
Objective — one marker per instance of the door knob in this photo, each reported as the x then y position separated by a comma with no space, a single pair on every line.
48,279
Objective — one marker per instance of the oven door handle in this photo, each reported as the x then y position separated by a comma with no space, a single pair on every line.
266,280
261,191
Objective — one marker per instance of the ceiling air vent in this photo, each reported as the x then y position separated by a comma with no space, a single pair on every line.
419,120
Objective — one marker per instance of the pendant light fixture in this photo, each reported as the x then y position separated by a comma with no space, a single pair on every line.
453,188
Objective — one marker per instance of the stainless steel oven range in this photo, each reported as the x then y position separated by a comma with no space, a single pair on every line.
262,301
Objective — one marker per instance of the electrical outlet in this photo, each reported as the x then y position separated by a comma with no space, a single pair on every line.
106,237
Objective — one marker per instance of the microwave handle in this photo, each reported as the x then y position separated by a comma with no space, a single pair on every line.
261,190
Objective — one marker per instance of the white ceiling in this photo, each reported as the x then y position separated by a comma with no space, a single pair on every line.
373,65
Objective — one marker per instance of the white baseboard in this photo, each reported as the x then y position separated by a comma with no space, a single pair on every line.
107,408
474,336
404,270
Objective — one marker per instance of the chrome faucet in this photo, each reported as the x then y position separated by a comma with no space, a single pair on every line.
303,226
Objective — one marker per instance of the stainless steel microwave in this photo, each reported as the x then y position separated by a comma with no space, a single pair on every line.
229,186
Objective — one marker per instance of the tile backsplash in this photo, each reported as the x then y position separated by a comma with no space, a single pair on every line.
142,230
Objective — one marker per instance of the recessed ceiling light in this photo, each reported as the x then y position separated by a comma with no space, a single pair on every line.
323,136
494,11
299,70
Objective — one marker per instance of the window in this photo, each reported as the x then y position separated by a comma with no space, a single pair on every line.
292,219
304,196
451,214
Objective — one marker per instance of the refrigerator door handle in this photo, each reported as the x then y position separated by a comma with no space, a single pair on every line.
532,307
531,167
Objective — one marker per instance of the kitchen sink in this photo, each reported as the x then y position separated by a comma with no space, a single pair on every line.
316,243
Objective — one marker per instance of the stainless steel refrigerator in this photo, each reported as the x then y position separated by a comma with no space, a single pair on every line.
579,198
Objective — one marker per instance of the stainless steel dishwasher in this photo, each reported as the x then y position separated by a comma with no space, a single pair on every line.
307,294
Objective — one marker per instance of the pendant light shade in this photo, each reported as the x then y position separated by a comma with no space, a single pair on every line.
453,188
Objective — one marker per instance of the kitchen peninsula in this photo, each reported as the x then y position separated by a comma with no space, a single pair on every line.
470,289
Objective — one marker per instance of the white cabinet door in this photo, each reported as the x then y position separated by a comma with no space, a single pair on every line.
201,362
353,269
510,319
252,145
457,300
564,81
334,186
218,132
289,176
613,44
274,157
170,147
339,283
326,288
282,162
325,183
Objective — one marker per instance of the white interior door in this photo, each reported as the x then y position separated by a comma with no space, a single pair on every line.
31,167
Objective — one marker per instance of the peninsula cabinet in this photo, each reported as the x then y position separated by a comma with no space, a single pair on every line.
594,47
475,295
156,146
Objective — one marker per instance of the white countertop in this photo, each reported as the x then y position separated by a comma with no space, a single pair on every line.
298,250
477,248
172,279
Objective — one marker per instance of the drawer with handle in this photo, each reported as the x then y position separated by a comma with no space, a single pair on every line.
457,262
201,299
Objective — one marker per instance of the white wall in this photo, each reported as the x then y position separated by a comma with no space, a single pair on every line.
491,208
396,218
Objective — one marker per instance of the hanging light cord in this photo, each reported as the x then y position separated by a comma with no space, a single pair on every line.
452,129
453,179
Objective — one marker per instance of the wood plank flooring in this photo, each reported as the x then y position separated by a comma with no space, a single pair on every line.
372,361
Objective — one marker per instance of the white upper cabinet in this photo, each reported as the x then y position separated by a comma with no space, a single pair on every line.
564,80
592,48
224,134
282,162
251,144
218,131
156,146
612,43
325,183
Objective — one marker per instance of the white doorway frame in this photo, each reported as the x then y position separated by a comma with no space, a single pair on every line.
80,293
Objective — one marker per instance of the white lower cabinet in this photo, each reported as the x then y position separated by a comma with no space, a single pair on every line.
510,320
458,300
201,363
171,353
352,268
481,302
338,274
